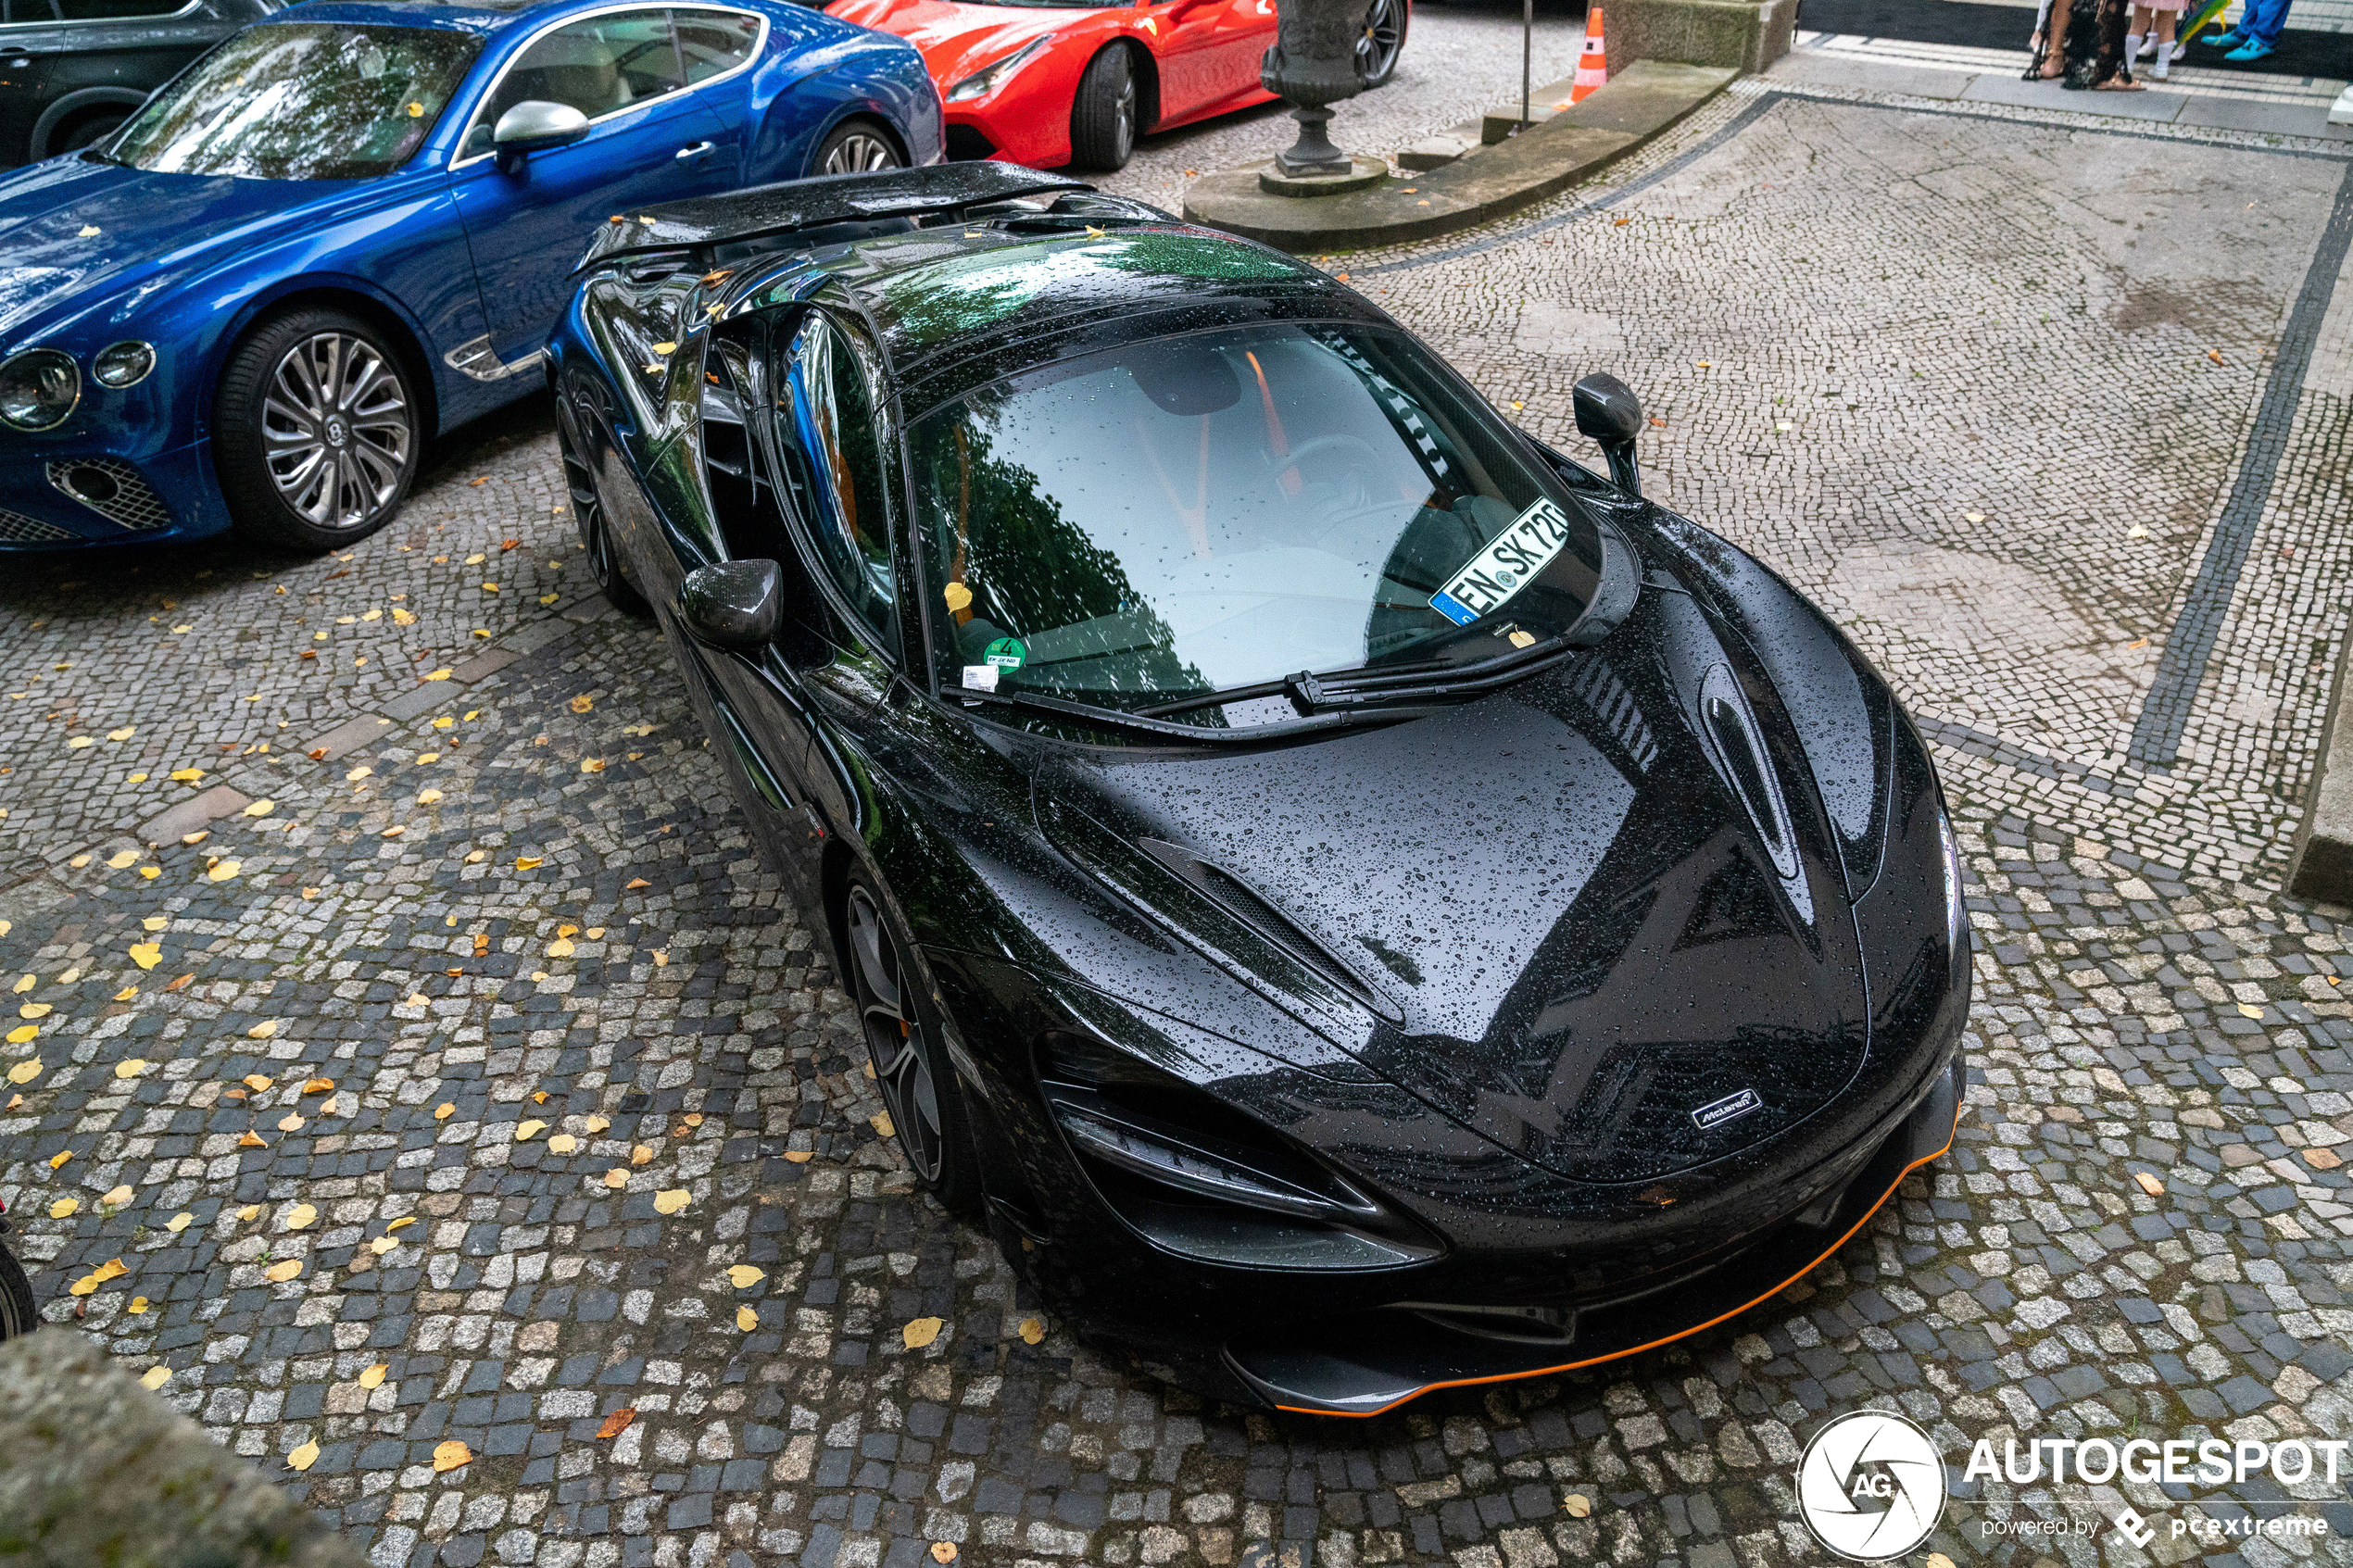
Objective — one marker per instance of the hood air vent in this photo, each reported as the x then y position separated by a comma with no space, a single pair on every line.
1737,751
1246,904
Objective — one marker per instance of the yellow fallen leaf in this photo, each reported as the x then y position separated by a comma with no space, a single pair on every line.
428,796
441,674
184,775
151,872
78,742
35,1010
881,1122
123,733
130,1067
373,1377
263,1030
156,922
250,1212
746,1319
1936,1559
302,1216
24,985
561,1143
290,1122
318,1085
583,703
561,947
114,1268
138,1306
224,869
661,957
943,1551
382,1245
146,955
402,1223
179,1222
117,1196
1032,1331
1578,1506
304,1457
126,993
278,1273
441,1112
592,764
617,1422
920,1332
57,1161
122,860
63,1207
617,1177
2149,1183
252,1140
155,1377
743,1276
452,1455
798,1156
637,882
595,1123
640,1154
669,1200
255,1081
25,1072
259,807
530,1130
2246,1010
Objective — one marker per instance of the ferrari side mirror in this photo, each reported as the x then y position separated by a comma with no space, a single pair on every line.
732,605
1608,412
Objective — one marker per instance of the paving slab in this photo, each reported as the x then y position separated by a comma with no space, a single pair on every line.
206,805
2148,104
1802,66
345,738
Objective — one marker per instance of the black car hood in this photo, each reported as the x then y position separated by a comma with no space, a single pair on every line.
1572,934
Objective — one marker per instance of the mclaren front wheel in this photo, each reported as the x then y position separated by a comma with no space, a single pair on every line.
904,1045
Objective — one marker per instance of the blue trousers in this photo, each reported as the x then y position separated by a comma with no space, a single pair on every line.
2263,21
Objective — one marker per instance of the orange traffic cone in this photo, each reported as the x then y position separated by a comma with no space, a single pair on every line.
1592,65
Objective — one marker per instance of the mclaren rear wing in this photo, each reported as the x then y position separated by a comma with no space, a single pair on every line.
945,191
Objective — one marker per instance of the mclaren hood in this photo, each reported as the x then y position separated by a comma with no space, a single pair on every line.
1598,917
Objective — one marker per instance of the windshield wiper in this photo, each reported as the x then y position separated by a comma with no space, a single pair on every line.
1360,690
1145,721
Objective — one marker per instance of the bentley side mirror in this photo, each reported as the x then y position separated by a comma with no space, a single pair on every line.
732,605
1608,412
534,126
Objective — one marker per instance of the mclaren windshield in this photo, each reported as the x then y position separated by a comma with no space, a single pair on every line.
1176,525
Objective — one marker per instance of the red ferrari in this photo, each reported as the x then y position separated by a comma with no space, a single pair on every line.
1050,82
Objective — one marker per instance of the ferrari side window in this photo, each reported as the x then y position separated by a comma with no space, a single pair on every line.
839,428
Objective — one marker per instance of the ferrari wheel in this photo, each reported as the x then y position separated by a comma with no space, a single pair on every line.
319,433
17,1312
596,536
855,147
1103,116
904,1046
1382,40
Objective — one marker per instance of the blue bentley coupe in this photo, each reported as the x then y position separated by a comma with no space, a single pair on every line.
350,227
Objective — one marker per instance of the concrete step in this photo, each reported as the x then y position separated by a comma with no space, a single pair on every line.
1542,104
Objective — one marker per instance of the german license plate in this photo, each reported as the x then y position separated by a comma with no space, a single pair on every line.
1504,568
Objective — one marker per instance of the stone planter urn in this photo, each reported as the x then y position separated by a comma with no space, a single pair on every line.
1312,64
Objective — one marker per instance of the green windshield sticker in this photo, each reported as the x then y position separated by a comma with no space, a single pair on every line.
1006,653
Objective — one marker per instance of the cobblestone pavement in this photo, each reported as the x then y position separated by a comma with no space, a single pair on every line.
476,1089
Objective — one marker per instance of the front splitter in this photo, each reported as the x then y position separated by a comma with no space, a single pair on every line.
1373,1361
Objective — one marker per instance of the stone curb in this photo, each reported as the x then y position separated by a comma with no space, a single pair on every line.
100,1470
1640,102
2320,865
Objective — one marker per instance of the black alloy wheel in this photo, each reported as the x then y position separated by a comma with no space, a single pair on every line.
854,147
1102,116
17,1312
1382,40
319,431
85,130
596,537
918,1087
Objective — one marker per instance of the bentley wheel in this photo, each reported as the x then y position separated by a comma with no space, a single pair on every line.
595,534
319,433
918,1088
1103,116
17,1312
855,147
1382,40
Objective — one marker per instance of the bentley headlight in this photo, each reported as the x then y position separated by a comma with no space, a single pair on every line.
38,389
123,364
980,83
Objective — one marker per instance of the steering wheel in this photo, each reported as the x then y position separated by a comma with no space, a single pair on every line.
1345,506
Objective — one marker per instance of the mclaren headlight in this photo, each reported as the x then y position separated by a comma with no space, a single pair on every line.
980,83
39,388
1956,909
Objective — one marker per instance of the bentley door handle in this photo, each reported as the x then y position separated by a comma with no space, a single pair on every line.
698,150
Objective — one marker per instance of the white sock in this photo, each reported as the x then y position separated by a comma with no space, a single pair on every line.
2132,49
2164,61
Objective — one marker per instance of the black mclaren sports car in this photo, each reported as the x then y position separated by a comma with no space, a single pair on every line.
1356,902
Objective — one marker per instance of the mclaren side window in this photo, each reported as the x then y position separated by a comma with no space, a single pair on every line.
834,448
